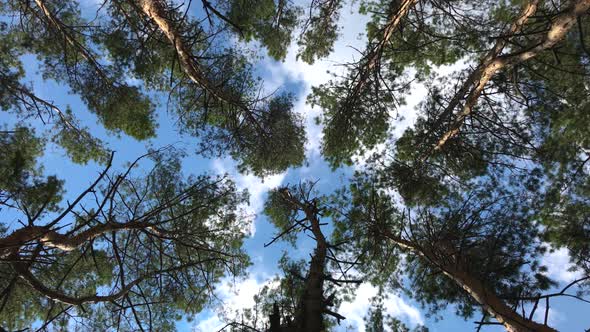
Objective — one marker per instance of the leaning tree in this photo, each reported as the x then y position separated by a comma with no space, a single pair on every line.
129,252
494,170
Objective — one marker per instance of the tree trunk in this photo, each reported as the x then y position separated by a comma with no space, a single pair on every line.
489,301
51,238
495,62
156,11
310,317
312,305
512,321
373,56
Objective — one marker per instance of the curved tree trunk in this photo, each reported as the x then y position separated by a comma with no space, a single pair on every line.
490,302
65,242
494,62
156,11
512,321
373,57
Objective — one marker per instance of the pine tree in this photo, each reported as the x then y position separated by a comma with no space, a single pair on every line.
128,253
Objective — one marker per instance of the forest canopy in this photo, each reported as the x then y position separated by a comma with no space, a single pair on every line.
154,153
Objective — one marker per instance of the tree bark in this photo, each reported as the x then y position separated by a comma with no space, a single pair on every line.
512,321
309,316
59,26
490,302
495,62
373,57
53,239
156,11
24,273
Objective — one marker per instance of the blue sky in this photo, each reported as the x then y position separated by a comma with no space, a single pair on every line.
298,78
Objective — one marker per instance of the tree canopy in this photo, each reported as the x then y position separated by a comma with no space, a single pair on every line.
479,172
456,211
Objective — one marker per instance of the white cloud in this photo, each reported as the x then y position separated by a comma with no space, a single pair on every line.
394,305
401,118
316,74
554,317
234,296
257,187
558,266
212,323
